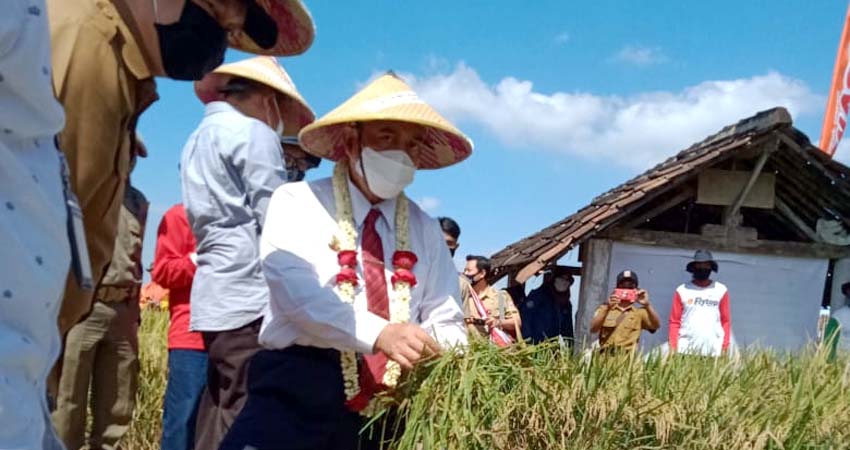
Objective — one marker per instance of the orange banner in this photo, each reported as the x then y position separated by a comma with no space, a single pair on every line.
835,119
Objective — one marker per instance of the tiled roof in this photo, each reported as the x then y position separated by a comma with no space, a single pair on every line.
826,192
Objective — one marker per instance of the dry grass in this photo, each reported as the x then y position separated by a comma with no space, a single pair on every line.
146,429
538,398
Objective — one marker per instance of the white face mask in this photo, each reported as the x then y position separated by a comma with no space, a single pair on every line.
280,125
387,173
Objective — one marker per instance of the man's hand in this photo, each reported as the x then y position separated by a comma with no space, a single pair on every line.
613,301
405,343
493,322
642,297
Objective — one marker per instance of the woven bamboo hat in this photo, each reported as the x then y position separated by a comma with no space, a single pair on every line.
387,98
266,70
274,27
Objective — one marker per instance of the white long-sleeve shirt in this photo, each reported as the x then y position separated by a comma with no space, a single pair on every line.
301,270
34,250
700,319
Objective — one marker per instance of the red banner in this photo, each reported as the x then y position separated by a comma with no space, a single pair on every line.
835,119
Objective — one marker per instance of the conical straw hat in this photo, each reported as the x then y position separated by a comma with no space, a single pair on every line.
387,98
295,30
266,70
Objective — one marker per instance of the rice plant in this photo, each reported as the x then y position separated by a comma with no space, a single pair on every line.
538,397
146,428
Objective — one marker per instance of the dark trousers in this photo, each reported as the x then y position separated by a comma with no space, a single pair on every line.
187,376
229,353
296,401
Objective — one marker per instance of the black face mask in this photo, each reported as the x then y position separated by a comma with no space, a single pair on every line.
452,251
701,274
193,46
471,278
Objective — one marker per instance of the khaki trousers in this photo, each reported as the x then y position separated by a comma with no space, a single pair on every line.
101,364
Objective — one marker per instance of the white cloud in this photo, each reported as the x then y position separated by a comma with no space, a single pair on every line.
636,131
429,204
639,55
562,38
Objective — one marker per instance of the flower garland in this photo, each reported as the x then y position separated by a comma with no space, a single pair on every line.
403,279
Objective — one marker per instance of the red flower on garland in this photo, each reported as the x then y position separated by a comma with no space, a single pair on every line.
404,260
347,258
346,274
405,276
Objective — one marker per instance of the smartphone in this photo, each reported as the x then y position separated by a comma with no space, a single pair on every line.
629,295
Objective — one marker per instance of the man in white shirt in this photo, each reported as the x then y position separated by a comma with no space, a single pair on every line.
700,317
361,283
229,168
35,253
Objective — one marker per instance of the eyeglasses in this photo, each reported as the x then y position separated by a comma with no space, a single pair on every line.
305,160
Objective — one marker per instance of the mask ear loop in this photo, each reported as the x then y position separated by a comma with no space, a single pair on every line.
362,167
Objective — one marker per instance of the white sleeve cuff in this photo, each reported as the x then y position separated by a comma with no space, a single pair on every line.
194,257
367,327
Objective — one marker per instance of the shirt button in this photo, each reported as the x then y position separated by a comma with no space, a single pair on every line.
7,131
1,78
35,178
39,260
44,70
7,294
10,206
34,10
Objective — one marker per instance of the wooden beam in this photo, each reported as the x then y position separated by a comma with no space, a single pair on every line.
594,286
732,210
685,194
762,247
786,211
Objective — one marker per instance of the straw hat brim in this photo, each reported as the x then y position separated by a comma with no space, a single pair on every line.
387,98
295,110
295,29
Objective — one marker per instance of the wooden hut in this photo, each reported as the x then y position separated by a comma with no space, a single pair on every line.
757,194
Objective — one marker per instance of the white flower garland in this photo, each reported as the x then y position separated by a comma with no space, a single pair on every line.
346,240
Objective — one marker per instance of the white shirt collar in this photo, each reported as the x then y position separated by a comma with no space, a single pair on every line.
217,107
360,207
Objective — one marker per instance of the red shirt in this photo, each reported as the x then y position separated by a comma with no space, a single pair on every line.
174,270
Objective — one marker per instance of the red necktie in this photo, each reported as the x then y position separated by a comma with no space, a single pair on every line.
378,302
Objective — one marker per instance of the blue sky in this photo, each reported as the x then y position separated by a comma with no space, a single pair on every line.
563,99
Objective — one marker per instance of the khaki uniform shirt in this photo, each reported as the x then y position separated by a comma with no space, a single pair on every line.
490,300
625,334
103,81
123,278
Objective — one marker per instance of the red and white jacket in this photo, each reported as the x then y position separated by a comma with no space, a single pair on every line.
700,320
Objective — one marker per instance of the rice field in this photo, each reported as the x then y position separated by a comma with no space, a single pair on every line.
146,428
536,397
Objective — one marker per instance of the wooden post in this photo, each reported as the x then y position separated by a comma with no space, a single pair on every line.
732,211
786,211
594,286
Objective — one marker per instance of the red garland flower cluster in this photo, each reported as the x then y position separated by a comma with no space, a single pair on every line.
347,262
403,262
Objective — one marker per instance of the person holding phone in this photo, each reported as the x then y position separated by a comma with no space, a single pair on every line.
628,312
